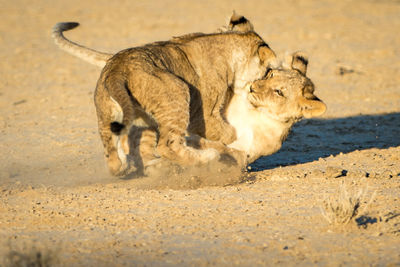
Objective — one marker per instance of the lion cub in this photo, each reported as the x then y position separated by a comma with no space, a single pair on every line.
159,88
263,117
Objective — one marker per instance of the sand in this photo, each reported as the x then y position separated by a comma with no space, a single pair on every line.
59,205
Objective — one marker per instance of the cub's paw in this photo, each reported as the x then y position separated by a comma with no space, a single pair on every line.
207,155
117,167
155,167
233,157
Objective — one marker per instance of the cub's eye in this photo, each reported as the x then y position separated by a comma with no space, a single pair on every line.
251,89
268,73
278,92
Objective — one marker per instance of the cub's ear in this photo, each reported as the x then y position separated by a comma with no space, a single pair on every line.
267,56
300,62
239,23
312,107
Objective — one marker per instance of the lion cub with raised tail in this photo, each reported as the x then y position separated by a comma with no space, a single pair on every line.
165,85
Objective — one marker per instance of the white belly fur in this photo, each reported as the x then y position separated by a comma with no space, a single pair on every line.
257,133
238,114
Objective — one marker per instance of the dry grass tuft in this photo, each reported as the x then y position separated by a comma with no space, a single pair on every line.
343,208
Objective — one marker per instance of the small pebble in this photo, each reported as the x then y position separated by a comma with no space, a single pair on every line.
334,172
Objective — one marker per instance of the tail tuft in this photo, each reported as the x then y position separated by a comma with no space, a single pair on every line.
65,26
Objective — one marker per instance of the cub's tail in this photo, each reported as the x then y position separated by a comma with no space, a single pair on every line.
92,56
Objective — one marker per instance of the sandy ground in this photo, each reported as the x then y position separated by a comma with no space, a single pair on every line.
60,206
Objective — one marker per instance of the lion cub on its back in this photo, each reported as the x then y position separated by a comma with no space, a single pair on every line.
264,116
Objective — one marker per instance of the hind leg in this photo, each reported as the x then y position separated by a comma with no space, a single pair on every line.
115,149
113,134
172,116
172,146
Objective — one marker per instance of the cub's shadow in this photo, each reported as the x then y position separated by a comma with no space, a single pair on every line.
312,139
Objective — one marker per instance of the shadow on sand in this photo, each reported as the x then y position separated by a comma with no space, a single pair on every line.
318,138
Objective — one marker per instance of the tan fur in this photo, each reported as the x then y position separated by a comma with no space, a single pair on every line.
176,87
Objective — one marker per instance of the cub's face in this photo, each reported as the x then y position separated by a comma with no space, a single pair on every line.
286,95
